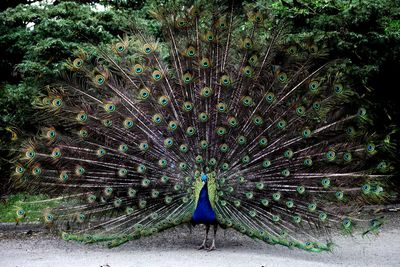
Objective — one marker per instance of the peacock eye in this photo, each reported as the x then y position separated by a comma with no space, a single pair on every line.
209,37
138,68
248,71
51,134
110,107
128,123
122,172
168,142
57,102
285,173
187,77
183,148
312,207
339,195
64,176
107,122
276,218
281,124
162,163
221,107
100,79
221,131
257,120
225,80
206,92
79,170
241,140
100,152
292,50
306,132
144,93
163,101
313,86
366,188
382,166
362,112
338,88
316,106
120,47
19,169
247,43
212,162
49,217
300,189
347,157
123,148
266,163
300,110
225,166
258,17
148,48
83,133
190,51
326,182
346,223
190,131
282,77
78,62
350,131
205,64
308,162
203,117
156,75
56,153
370,148
322,216
331,155
20,212
313,49
144,146
36,171
270,97
288,153
188,106
81,217
224,148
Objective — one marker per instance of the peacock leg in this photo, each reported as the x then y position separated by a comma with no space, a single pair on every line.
213,241
203,245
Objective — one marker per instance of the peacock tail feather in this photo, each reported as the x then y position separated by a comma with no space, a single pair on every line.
125,136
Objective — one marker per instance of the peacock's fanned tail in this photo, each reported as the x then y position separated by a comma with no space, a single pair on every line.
124,137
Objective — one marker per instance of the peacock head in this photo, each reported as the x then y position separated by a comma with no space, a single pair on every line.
204,177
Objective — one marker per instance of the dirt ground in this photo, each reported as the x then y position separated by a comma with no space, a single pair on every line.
177,247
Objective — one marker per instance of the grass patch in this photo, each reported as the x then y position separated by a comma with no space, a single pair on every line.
33,206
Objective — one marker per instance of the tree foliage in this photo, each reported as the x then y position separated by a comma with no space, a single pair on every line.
37,36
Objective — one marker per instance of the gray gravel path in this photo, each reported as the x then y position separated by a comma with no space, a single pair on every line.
176,247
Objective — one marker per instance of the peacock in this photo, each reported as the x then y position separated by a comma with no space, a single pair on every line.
225,120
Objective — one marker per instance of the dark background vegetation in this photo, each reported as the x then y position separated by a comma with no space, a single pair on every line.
37,36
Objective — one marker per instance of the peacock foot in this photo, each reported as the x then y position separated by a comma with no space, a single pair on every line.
212,247
202,246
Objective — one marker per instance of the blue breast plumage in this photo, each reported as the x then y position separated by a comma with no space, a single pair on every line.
204,212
